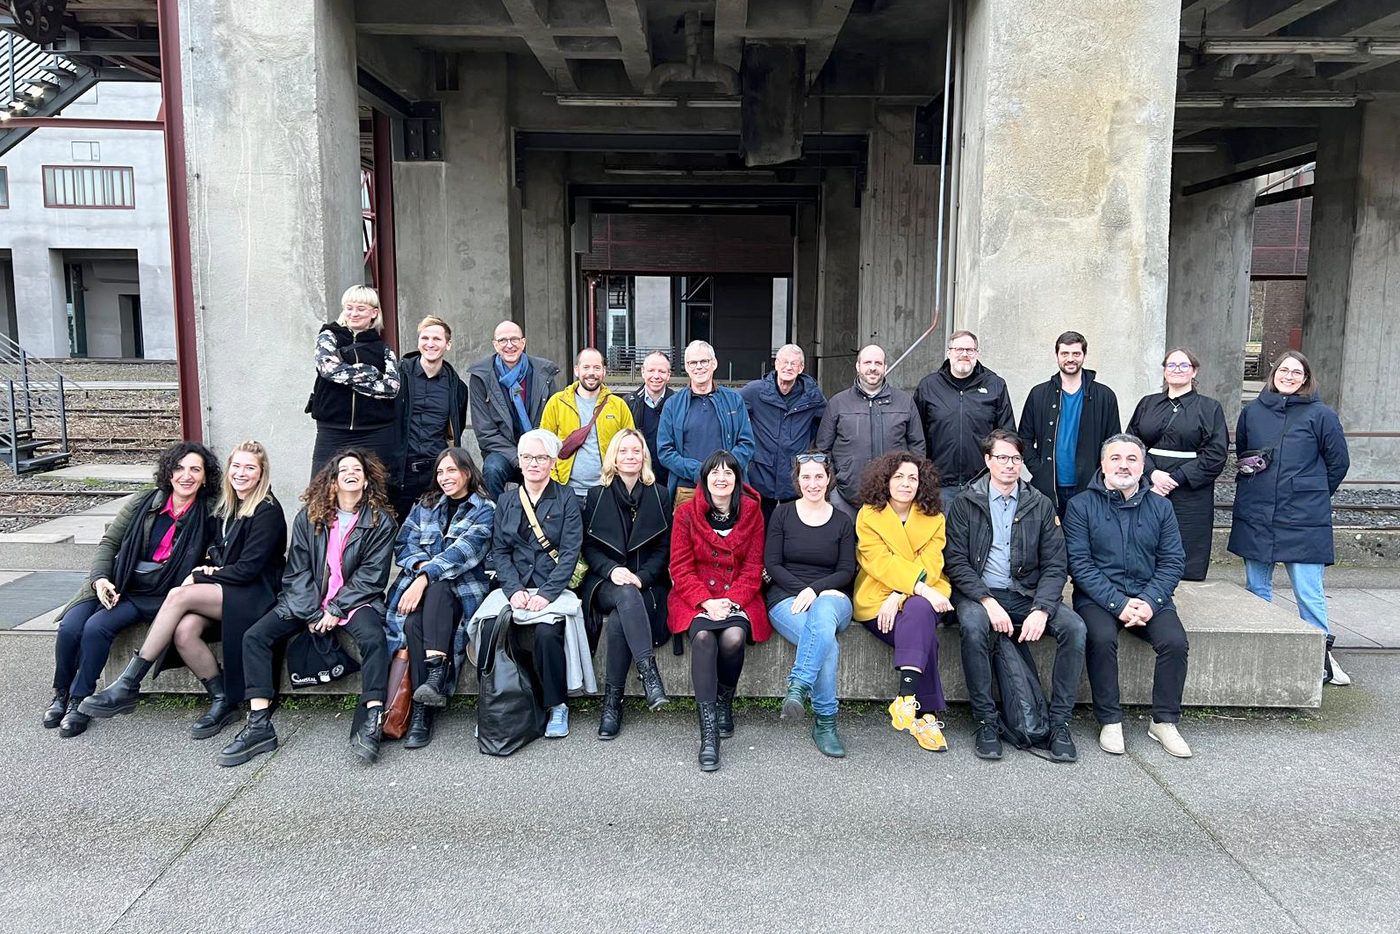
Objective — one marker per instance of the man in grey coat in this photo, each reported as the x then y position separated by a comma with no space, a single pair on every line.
863,422
507,392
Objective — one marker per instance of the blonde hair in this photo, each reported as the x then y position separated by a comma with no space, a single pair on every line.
229,505
435,321
364,295
610,457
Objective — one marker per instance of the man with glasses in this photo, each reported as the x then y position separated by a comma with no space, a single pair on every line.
784,408
959,403
992,519
699,420
508,391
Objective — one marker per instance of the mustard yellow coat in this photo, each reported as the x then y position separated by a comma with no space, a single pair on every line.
561,417
891,555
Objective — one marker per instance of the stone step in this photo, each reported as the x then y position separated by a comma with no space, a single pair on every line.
1362,548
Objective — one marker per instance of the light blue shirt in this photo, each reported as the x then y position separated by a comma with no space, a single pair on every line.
588,460
997,573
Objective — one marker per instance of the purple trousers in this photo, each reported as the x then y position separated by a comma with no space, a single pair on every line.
915,640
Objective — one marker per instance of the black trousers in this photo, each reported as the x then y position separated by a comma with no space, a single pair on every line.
417,479
547,659
366,627
631,631
1164,633
432,626
383,442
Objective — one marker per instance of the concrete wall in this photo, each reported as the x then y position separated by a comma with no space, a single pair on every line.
31,231
838,285
105,281
540,296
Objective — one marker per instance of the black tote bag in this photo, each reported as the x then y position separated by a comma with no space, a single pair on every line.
508,714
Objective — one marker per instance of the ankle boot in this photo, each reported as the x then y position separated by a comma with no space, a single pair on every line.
651,683
420,726
256,738
124,693
795,701
365,741
824,735
221,712
611,723
57,707
433,690
724,710
74,720
709,736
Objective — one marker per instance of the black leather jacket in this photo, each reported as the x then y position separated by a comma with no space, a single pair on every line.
367,560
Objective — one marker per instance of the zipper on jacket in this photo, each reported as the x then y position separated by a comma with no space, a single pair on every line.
352,392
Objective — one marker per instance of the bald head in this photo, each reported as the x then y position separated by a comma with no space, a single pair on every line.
870,367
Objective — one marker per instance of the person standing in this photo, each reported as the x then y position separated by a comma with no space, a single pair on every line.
698,421
959,405
1187,443
862,423
1064,421
1292,456
585,415
432,411
646,404
785,407
507,394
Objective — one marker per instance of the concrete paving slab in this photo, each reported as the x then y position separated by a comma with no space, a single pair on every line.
45,556
1359,618
44,622
117,473
78,529
24,599
109,507
38,535
8,576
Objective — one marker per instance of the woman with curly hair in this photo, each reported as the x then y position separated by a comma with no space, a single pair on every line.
150,547
337,569
901,589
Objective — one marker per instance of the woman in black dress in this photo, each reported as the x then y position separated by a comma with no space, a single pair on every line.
1186,442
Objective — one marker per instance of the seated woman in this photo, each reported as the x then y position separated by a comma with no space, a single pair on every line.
627,544
150,547
533,567
716,573
250,541
442,550
901,589
810,557
337,569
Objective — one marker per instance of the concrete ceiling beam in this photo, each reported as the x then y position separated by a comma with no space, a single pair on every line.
829,15
731,20
532,27
629,23
1263,17
1349,18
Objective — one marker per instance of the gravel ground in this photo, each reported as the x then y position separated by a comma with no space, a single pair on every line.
80,370
1341,516
31,495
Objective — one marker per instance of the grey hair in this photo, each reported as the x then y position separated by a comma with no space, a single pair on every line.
700,345
1121,437
658,353
547,439
791,348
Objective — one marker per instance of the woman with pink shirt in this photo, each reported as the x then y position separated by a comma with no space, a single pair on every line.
337,569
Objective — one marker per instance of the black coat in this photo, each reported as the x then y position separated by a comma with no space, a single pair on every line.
1122,548
367,559
1285,512
493,415
516,554
646,552
1039,566
410,366
1040,419
956,420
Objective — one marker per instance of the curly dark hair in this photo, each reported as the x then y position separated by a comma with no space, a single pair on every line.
319,497
475,483
170,460
875,484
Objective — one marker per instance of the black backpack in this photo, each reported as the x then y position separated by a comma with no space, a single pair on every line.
1023,716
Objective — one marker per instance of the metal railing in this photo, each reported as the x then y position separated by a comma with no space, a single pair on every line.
24,65
33,414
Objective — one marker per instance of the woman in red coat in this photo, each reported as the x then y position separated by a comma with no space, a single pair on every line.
716,574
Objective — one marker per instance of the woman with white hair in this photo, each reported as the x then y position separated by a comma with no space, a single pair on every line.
357,379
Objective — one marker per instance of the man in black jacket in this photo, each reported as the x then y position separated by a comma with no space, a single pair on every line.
432,411
1064,421
508,391
646,404
959,404
1005,557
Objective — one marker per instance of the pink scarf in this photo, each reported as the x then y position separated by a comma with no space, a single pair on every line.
335,551
167,541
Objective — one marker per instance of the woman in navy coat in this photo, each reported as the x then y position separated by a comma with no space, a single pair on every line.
1283,512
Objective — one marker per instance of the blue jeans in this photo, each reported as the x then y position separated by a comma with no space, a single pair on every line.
814,634
1307,587
496,472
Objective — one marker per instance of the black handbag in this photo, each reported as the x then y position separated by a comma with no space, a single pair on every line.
317,658
509,714
1023,716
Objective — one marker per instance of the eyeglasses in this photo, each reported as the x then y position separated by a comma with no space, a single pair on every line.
1004,459
507,341
706,362
963,351
1299,374
1178,367
535,458
814,458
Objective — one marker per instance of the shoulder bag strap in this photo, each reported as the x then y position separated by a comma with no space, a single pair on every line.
535,524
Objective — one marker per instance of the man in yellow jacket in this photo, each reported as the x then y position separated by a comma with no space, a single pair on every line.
584,404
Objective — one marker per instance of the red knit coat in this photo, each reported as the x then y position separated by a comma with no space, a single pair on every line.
705,565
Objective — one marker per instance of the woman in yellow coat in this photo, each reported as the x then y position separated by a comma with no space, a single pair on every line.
901,590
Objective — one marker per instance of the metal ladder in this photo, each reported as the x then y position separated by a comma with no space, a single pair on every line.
35,82
33,417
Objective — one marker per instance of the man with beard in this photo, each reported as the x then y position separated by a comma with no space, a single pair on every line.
1064,421
432,411
960,403
585,415
646,405
1126,557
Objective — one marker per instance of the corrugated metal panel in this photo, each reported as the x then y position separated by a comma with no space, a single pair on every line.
677,244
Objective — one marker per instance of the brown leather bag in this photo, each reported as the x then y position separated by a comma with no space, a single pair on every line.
579,435
400,697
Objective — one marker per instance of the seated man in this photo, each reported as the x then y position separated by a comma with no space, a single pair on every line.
1126,557
995,517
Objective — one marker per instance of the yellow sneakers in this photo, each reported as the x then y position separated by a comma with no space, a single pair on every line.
903,712
929,733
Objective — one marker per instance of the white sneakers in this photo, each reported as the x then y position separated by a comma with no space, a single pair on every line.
1340,678
1111,739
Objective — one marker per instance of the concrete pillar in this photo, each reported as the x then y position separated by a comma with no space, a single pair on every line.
838,288
41,309
805,283
1066,168
1350,332
541,300
1208,279
272,150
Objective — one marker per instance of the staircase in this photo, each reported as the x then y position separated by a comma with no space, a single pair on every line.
35,83
33,419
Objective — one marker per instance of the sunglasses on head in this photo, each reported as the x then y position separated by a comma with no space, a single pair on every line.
816,458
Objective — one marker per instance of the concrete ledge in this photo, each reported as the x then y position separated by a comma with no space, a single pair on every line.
1360,548
24,551
1244,653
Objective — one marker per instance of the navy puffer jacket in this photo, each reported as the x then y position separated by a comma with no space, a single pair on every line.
1122,548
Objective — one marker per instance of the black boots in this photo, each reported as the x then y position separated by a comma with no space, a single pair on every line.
53,715
256,737
124,693
611,723
709,736
433,690
74,720
651,683
724,710
365,740
420,726
221,712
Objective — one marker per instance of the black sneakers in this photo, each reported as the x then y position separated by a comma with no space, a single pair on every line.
1059,747
987,741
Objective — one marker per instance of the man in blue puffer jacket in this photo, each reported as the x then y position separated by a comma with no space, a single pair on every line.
1126,558
785,408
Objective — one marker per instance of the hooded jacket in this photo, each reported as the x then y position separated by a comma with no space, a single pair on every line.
1122,548
493,416
956,420
857,428
1040,419
1039,566
783,427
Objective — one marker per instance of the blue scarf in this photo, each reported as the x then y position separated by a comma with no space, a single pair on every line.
513,382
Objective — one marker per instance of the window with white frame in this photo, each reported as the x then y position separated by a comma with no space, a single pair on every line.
86,151
78,186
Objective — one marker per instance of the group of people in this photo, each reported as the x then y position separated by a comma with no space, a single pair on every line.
708,516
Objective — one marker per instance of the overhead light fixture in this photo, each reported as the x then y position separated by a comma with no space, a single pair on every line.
580,100
643,171
659,204
1272,46
713,102
1256,102
1204,101
1383,46
1195,147
726,205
